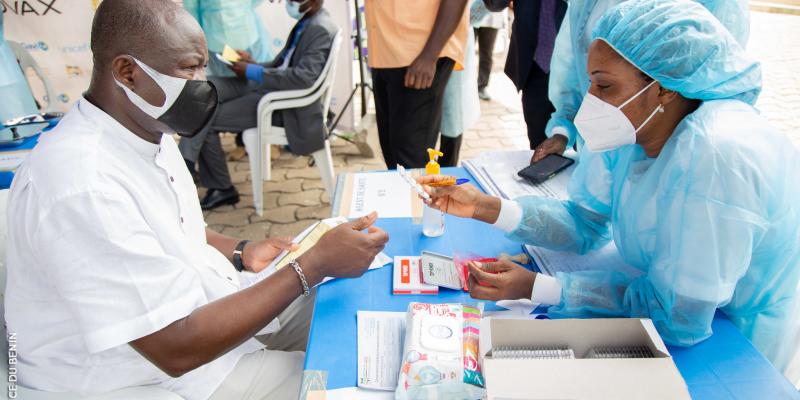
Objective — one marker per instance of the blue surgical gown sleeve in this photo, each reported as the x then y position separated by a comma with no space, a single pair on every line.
580,224
564,88
708,221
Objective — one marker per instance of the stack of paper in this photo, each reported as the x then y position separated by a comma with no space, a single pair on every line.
604,258
496,172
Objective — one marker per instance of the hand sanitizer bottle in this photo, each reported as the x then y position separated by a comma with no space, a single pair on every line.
432,219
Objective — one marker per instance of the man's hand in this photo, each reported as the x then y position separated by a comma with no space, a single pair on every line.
552,145
419,75
501,280
345,251
239,68
245,57
257,255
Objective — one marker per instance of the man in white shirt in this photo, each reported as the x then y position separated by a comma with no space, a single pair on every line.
113,279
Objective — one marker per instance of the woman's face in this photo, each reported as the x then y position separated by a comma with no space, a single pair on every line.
615,80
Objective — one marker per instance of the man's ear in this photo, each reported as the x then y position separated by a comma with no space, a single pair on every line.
122,68
666,96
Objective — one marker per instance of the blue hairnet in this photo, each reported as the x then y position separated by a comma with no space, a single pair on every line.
684,47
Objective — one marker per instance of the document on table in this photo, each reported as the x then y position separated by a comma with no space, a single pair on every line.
10,160
605,258
496,171
384,192
349,393
381,337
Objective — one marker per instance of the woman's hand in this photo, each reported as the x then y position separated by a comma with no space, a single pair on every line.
552,145
464,201
501,280
257,255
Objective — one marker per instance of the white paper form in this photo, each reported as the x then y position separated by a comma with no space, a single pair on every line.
384,192
381,337
604,258
497,173
10,160
350,393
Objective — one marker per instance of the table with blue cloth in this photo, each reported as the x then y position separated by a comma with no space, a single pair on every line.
27,144
725,366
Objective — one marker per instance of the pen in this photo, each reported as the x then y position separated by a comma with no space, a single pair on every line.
449,182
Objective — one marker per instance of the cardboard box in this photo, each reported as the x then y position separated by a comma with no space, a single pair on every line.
580,378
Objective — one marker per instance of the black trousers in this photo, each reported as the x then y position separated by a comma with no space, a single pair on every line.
536,106
486,38
238,103
408,119
451,147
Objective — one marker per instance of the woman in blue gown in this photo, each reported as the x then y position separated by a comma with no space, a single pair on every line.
698,191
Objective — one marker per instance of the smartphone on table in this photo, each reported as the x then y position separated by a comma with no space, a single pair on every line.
545,168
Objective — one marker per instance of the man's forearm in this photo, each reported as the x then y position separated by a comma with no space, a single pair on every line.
215,328
447,19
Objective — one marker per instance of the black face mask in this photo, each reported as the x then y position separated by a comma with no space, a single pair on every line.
189,105
193,110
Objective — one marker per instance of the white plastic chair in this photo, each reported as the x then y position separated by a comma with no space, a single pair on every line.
131,393
26,61
257,140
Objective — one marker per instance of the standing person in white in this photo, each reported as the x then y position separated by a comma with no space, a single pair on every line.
113,279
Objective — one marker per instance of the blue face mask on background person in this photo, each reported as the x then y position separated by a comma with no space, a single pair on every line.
293,9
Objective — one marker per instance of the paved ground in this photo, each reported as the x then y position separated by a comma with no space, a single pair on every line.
295,198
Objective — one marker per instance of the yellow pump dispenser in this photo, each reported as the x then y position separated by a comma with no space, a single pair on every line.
432,219
432,167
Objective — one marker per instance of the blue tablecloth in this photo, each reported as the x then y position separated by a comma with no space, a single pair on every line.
726,366
7,176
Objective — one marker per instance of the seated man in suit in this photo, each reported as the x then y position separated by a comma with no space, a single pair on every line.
297,66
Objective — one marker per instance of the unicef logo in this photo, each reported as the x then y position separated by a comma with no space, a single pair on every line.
38,46
63,97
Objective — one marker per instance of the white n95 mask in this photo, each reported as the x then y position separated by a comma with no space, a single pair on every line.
605,127
189,105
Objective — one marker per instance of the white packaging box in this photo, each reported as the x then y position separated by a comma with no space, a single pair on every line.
580,378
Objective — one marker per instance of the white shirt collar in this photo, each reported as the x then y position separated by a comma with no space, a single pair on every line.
143,147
